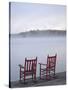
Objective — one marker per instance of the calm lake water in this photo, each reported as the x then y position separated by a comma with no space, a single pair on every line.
39,46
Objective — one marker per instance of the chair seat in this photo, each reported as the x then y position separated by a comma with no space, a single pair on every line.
44,69
27,72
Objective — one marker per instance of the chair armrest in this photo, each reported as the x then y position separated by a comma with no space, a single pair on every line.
21,66
42,64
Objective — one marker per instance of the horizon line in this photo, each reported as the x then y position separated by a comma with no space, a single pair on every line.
39,30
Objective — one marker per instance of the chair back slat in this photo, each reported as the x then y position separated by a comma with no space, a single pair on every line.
30,64
51,61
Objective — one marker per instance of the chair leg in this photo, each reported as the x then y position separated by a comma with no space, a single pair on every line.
54,73
32,76
20,74
24,77
20,77
47,75
40,74
40,71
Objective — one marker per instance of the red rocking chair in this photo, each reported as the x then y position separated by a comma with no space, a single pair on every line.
49,68
28,69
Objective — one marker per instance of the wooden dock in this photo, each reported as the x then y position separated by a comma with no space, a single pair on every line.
59,80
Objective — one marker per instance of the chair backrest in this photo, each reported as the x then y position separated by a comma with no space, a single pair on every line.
51,61
30,64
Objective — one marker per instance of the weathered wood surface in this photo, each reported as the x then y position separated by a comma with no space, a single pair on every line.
59,80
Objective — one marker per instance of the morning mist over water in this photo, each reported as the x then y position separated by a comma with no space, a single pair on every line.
40,46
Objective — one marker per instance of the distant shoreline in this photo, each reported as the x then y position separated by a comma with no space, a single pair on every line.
40,33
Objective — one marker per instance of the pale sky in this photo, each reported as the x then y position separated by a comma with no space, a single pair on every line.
28,16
